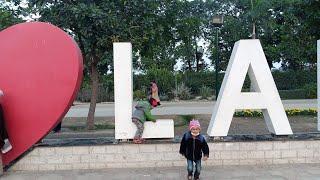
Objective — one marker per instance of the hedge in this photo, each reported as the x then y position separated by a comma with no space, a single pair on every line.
289,112
291,84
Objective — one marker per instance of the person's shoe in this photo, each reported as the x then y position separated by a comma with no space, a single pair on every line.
137,140
142,140
6,147
189,177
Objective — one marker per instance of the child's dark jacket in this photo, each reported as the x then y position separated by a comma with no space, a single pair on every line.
192,148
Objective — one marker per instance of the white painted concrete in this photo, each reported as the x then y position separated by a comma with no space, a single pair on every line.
248,56
124,128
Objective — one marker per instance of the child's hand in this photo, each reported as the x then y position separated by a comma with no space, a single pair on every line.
182,156
205,158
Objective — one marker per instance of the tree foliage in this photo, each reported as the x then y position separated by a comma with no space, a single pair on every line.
165,32
8,16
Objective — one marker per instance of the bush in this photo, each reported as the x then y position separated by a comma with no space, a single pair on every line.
195,80
289,112
84,95
164,79
291,84
292,94
310,91
187,118
247,113
182,92
293,79
164,97
139,95
205,92
301,112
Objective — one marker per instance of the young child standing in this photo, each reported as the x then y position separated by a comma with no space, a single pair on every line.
192,146
141,114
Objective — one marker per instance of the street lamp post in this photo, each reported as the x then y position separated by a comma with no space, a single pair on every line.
217,22
199,54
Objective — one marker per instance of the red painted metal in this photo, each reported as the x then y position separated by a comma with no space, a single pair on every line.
40,74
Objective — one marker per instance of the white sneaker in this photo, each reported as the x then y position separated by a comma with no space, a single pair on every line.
6,147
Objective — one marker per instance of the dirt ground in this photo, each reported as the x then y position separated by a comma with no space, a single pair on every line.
239,125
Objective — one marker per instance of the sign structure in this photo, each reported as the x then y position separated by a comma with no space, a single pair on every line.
248,56
123,97
40,74
318,80
41,71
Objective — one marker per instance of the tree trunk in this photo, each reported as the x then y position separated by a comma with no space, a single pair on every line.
254,30
197,62
189,65
94,94
198,68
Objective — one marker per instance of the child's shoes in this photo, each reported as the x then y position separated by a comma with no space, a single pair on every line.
137,140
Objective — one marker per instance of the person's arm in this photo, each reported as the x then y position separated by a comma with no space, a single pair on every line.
149,116
205,149
183,144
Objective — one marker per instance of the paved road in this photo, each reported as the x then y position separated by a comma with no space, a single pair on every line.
272,172
173,108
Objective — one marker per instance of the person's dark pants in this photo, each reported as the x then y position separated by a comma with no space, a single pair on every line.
57,128
190,168
3,130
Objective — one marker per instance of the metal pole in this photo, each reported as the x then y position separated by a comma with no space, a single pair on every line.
318,80
217,65
176,85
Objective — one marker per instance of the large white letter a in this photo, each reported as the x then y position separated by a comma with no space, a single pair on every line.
248,56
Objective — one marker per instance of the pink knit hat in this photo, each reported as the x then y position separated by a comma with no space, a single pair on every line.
194,123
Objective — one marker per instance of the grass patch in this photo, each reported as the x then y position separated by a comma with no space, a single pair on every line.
183,120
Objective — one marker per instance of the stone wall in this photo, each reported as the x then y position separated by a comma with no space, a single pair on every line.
126,155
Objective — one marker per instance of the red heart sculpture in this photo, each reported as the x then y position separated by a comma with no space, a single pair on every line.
40,74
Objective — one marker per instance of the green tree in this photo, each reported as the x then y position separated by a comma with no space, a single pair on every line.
97,24
192,27
8,16
299,31
281,26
